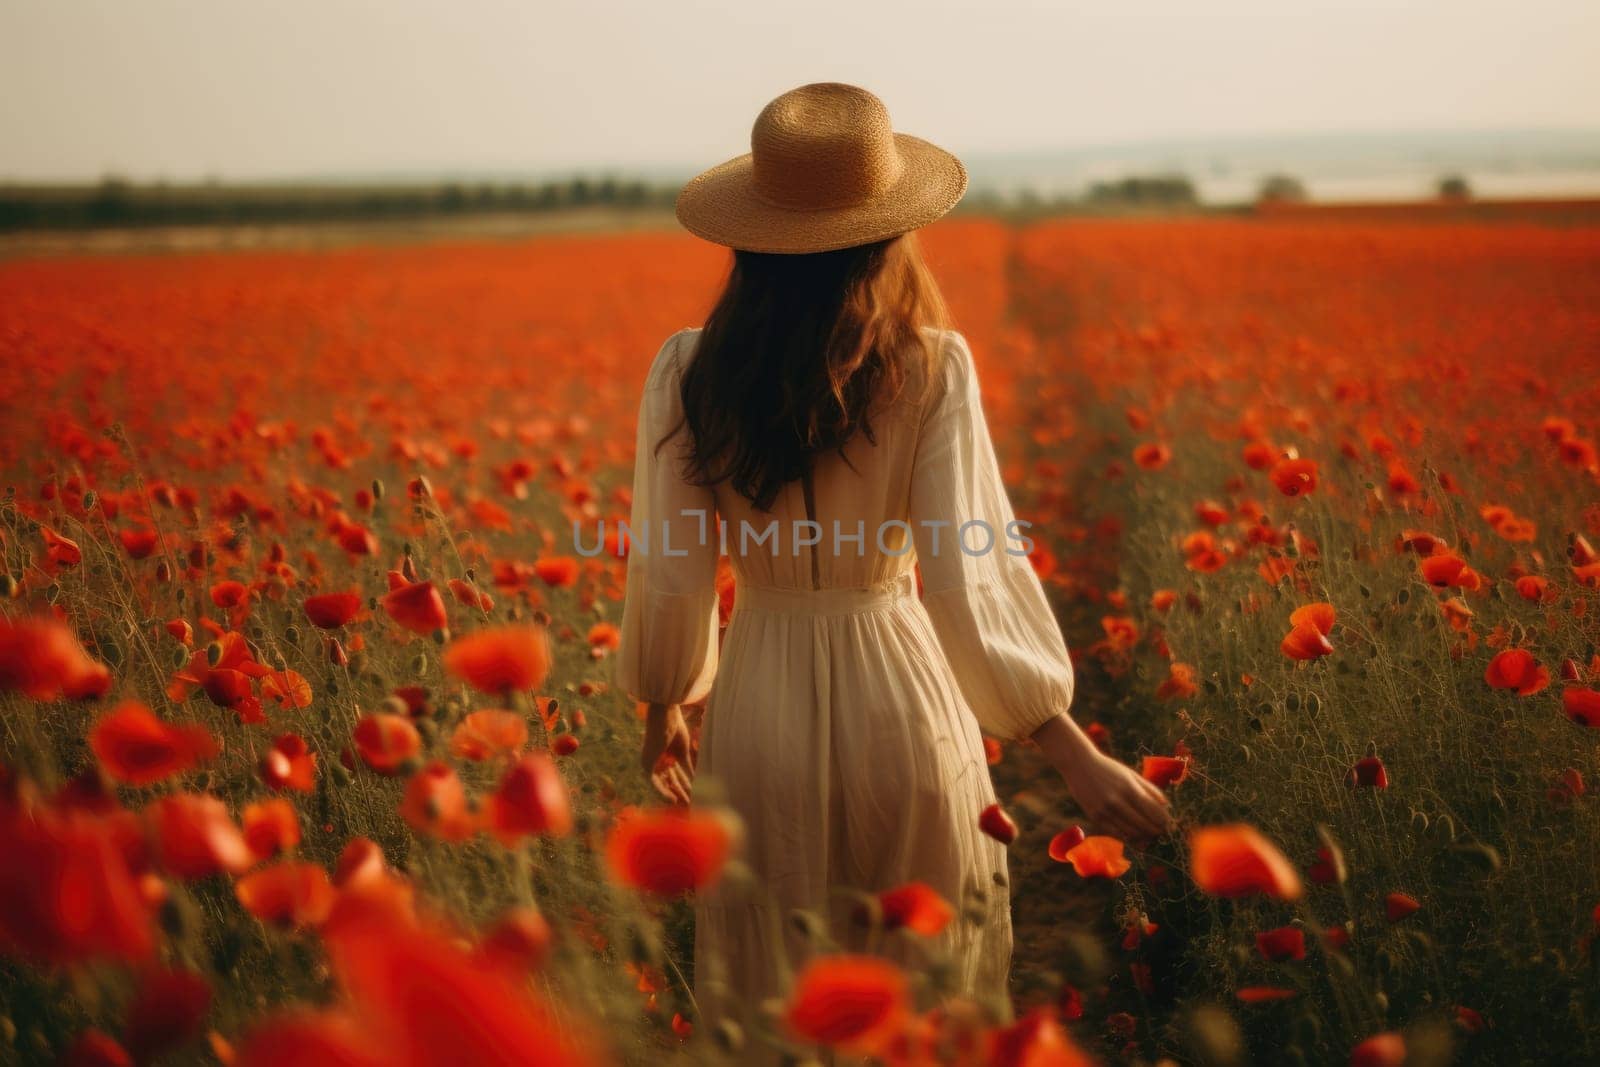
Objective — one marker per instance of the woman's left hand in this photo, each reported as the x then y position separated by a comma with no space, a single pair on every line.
668,756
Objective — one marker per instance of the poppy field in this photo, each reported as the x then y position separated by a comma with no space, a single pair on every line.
309,751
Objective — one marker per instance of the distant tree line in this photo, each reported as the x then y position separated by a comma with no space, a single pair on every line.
114,202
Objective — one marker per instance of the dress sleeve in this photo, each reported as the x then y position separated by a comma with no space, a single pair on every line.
668,651
986,602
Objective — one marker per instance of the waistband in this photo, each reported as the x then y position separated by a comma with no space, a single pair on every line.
836,601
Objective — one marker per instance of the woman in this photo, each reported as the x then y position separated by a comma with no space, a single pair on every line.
835,428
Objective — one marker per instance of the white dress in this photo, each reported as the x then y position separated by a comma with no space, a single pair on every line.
843,725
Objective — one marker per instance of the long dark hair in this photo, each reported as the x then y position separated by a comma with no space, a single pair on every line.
797,356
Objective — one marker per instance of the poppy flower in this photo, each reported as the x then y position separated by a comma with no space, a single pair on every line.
853,1003
1263,994
1398,905
289,764
136,748
435,803
1380,1050
1329,868
196,838
564,744
1164,770
1037,1039
1284,943
1098,856
287,689
361,860
604,636
486,734
1457,614
470,595
42,659
1295,477
1235,860
329,611
1162,600
139,543
1310,626
1152,456
531,798
270,826
67,893
1368,772
518,942
1517,670
557,571
916,906
167,1010
96,1048
1582,706
1448,569
500,659
994,821
1179,684
229,594
1065,842
418,607
288,894
386,741
666,850
60,551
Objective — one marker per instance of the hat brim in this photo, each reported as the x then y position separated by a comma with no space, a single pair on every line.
721,206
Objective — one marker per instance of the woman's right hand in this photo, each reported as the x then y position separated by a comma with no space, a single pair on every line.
667,756
1115,798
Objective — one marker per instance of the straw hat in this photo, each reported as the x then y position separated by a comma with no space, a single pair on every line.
825,171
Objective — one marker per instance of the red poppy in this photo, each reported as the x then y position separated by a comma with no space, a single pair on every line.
666,850
501,659
167,1010
1368,772
42,659
1284,943
1235,860
1037,1039
1517,670
1295,477
1065,842
1262,994
270,826
558,571
994,821
1381,1050
329,611
1180,683
418,607
139,543
1398,905
1449,569
915,906
289,764
518,942
96,1048
386,741
852,1003
229,594
470,595
135,747
1152,456
287,689
196,838
435,804
604,636
288,894
1162,600
532,798
486,734
1582,706
1164,770
60,551
1098,856
67,893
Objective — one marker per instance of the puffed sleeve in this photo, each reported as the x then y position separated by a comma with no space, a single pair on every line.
986,602
668,651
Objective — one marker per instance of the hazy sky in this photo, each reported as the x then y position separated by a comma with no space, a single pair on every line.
248,88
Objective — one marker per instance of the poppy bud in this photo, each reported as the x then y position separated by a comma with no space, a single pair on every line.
377,489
